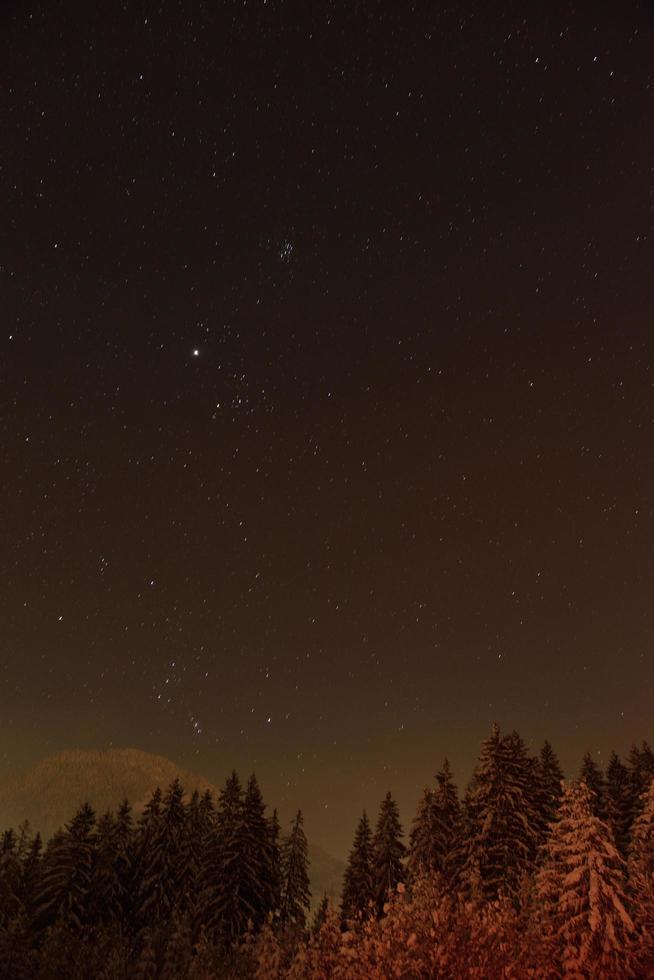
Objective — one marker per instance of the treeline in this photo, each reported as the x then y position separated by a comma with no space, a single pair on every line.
525,876
170,894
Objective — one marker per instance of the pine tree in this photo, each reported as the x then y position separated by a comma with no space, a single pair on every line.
641,774
124,843
619,802
320,914
422,839
358,882
105,893
447,823
388,852
10,879
256,884
581,885
502,822
162,885
549,777
31,875
641,880
220,907
296,894
66,873
275,859
200,820
591,774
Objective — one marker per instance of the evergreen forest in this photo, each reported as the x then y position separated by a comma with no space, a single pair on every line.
522,875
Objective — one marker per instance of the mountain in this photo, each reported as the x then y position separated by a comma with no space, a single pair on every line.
49,793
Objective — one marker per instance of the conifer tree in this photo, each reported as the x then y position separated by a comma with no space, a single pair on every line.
105,893
618,802
200,818
549,777
296,893
10,879
422,839
591,774
30,875
448,820
388,852
502,822
163,882
124,855
256,885
641,880
141,859
220,908
641,774
581,885
320,914
66,874
358,882
275,859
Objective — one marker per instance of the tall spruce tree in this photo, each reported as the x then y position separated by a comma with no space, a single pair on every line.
256,885
641,880
422,858
31,875
163,884
641,774
10,879
105,897
200,819
358,882
592,775
222,908
65,879
502,822
388,852
619,802
296,893
549,776
275,859
448,821
581,885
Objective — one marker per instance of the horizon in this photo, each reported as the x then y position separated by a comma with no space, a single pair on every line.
334,836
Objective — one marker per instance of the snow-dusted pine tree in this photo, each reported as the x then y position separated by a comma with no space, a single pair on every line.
641,774
502,823
581,888
549,777
296,894
422,839
641,880
163,878
591,774
63,894
434,833
358,882
388,852
618,802
221,908
256,886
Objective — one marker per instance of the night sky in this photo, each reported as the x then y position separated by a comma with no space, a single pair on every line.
326,387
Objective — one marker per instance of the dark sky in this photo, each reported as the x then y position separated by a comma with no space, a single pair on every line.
327,386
